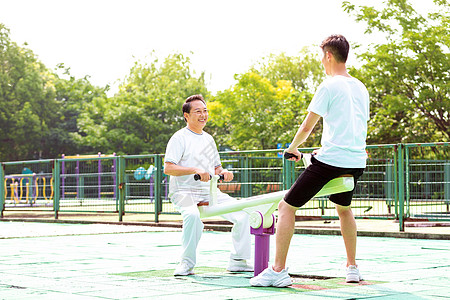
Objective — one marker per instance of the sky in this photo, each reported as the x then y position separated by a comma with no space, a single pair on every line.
103,38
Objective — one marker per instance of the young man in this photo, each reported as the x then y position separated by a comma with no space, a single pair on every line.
343,103
192,151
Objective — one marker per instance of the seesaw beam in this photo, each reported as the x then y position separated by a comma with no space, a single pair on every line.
334,186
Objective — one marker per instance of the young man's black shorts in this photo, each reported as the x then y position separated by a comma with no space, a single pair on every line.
311,181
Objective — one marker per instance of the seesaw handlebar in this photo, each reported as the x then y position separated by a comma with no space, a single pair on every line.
288,155
197,177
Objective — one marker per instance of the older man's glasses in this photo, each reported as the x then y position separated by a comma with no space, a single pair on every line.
200,112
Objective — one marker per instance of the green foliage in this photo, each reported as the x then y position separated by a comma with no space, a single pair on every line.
46,113
26,100
145,112
408,76
72,95
264,107
305,72
38,108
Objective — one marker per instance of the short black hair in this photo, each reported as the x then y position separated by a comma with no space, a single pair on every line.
187,103
337,44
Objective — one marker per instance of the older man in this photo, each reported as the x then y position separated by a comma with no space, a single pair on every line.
192,151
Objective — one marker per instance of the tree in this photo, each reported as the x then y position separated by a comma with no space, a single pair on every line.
38,107
146,111
267,104
408,76
26,100
305,71
72,95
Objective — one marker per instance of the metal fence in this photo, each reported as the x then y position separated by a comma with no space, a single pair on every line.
145,187
88,184
427,181
374,195
403,181
260,172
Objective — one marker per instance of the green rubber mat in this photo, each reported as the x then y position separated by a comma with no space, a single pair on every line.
220,277
169,273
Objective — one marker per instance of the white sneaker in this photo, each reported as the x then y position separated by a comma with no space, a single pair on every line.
239,265
353,274
269,277
183,269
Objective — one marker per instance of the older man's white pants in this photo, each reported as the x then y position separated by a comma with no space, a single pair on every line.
186,204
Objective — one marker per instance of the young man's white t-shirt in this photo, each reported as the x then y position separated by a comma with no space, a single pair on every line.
343,103
189,149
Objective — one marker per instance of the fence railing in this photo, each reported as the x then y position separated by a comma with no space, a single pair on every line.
401,181
427,182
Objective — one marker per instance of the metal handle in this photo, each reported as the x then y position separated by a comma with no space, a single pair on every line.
197,177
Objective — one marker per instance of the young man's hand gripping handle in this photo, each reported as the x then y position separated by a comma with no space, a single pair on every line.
302,134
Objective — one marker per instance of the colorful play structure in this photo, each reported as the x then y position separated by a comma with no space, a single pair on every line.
27,188
80,178
89,178
147,174
83,180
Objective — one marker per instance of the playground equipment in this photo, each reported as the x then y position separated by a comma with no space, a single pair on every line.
16,183
141,173
261,209
79,193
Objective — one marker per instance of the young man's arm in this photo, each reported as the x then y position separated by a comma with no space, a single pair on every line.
302,134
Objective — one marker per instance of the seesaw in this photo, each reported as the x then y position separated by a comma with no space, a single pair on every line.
261,209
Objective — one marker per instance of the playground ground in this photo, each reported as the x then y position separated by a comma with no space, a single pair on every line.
83,259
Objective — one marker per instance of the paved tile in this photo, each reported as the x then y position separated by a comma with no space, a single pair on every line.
57,261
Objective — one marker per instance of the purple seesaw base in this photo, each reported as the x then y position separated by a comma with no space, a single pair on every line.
262,245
